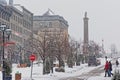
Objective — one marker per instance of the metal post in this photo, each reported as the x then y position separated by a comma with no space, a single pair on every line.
3,67
3,29
31,69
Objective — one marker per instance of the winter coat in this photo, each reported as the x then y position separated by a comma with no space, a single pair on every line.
117,63
110,66
106,65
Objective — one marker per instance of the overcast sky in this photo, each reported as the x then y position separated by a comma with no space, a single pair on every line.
104,17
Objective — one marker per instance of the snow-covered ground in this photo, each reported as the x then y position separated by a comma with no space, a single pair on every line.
101,77
69,72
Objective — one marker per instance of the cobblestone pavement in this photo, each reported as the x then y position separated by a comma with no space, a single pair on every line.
85,76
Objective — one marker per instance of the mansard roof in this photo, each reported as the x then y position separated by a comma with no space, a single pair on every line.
50,18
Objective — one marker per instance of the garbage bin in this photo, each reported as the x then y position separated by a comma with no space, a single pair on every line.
18,76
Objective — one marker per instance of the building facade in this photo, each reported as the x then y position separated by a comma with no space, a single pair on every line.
21,24
20,21
5,14
51,24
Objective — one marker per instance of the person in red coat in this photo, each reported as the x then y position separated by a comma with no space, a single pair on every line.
106,68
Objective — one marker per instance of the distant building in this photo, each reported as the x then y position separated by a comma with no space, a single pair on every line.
50,23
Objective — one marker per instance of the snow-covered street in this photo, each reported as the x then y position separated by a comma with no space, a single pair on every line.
82,72
97,73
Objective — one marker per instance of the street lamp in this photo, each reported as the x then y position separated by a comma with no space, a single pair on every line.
4,30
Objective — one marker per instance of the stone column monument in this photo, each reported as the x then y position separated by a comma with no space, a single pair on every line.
86,36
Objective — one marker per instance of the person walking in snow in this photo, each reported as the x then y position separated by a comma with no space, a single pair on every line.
117,63
106,68
110,69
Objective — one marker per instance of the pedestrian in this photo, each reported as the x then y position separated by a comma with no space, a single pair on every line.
110,69
117,63
106,68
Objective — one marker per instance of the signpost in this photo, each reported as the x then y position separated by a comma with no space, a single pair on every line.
32,58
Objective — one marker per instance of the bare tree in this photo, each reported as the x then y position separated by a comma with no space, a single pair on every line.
41,47
94,49
113,50
50,46
72,55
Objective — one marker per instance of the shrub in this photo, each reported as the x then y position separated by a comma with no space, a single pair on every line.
60,69
8,69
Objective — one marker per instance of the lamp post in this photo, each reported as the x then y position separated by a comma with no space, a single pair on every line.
4,30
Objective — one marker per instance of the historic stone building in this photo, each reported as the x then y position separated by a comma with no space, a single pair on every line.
50,24
5,14
20,21
51,28
21,24
16,25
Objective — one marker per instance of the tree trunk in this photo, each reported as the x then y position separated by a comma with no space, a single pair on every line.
61,62
51,64
70,62
44,71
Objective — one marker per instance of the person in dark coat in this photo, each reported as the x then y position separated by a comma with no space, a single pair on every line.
117,63
106,68
110,69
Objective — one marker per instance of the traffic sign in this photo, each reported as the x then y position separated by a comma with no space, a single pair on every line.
32,57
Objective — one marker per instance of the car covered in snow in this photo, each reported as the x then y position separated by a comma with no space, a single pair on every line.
93,61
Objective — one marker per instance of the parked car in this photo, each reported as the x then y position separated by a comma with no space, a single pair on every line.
93,61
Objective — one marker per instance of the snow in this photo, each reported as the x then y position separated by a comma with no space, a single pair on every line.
69,72
101,77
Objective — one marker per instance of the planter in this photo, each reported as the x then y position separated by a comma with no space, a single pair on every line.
23,65
18,76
